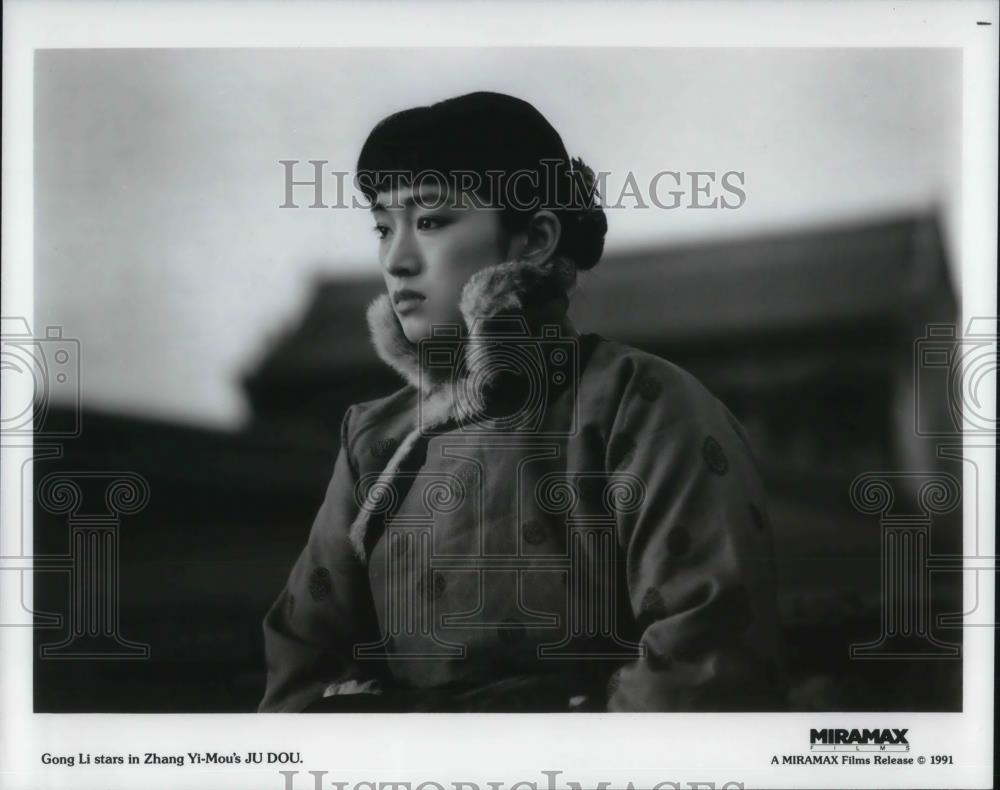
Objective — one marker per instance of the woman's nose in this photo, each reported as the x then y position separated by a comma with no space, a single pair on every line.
403,256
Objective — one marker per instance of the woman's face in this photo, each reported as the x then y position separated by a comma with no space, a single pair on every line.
429,246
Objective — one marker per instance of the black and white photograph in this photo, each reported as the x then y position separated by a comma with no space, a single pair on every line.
442,387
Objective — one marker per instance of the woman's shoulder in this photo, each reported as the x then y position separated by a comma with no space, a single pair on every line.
618,371
641,390
379,424
386,407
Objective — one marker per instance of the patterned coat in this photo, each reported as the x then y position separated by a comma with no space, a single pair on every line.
539,520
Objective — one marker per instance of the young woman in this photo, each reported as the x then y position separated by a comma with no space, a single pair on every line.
540,519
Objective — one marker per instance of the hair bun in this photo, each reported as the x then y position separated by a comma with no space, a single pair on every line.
589,223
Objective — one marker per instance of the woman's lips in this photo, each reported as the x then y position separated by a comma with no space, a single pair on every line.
407,300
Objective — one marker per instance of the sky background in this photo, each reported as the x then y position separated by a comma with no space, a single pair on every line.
160,244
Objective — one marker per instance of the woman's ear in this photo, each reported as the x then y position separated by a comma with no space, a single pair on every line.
538,242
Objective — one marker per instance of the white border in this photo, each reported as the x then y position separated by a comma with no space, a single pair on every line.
645,748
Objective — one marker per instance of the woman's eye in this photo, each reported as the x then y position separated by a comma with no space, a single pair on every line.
381,231
431,223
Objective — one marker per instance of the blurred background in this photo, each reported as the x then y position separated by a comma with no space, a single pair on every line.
219,338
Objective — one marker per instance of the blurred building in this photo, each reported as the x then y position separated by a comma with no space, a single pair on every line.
809,338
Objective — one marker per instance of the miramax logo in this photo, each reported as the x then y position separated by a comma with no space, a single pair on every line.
891,740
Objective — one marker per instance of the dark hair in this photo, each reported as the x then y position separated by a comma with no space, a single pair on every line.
493,137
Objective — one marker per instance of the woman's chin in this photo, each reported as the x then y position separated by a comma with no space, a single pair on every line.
418,326
415,327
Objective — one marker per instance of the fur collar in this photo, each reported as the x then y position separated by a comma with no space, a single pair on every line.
530,294
513,292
